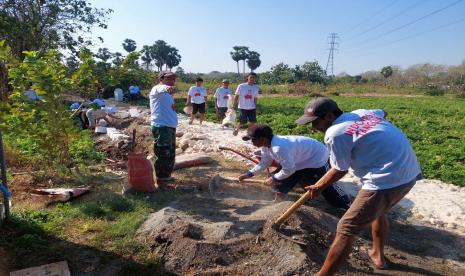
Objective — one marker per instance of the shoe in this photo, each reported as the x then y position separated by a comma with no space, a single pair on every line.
235,132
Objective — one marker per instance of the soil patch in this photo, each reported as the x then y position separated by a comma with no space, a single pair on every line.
227,231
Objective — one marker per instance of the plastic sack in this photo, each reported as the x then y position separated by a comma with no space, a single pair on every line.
230,118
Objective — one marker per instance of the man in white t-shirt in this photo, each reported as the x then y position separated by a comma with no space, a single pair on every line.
164,121
197,96
380,155
246,94
221,96
301,160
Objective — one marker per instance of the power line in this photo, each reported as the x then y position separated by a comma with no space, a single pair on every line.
373,16
333,44
413,35
425,32
387,20
414,21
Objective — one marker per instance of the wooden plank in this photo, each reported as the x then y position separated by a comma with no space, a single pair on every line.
53,269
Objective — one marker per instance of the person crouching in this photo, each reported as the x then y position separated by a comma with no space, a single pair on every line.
301,159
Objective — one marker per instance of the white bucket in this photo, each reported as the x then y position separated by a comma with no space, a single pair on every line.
118,94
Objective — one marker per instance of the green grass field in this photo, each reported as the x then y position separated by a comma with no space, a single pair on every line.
434,125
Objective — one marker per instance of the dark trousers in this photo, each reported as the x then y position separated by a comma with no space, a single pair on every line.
164,147
310,176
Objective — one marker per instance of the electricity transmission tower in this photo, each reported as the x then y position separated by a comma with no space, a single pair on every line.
332,47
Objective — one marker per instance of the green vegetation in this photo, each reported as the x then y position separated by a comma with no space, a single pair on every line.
102,221
435,126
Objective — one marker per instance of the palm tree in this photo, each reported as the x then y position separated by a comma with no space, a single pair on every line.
146,56
244,54
253,62
236,57
173,58
159,52
129,45
386,71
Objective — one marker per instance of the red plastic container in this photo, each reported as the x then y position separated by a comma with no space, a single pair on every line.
140,173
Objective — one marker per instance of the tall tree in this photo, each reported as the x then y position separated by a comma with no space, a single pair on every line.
160,50
31,25
118,58
103,54
253,61
386,71
173,58
236,57
84,78
240,53
146,56
129,45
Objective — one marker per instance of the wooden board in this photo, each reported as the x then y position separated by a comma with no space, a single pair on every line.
53,269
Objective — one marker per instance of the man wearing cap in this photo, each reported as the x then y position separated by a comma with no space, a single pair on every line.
380,155
164,121
197,96
301,159
221,96
246,95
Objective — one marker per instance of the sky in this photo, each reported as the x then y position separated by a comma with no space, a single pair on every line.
371,33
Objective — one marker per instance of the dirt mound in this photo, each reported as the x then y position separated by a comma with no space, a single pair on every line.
230,233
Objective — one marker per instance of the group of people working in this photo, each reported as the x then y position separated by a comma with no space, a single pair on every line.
363,141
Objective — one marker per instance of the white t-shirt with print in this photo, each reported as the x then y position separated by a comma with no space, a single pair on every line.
293,153
377,151
198,94
222,96
247,94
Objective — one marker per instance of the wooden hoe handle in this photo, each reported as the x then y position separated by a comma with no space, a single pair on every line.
292,209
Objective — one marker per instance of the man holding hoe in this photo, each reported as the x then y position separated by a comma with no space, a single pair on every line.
380,155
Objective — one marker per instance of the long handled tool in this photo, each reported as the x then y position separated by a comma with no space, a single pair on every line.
291,209
256,161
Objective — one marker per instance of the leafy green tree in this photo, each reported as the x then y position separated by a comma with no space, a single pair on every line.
117,59
31,25
131,61
281,73
84,79
181,74
72,65
129,45
312,72
130,73
42,129
253,61
297,73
